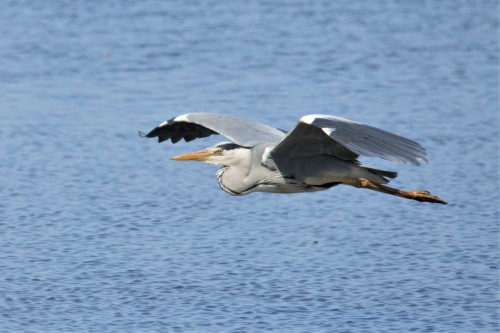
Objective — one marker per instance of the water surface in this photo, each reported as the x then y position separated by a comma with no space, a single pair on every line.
100,232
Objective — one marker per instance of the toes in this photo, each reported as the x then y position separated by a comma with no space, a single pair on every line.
421,193
429,198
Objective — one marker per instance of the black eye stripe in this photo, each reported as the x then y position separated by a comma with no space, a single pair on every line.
228,146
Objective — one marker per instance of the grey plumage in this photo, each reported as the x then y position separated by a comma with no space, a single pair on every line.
320,152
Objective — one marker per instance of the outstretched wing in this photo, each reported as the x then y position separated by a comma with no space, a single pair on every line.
199,125
346,139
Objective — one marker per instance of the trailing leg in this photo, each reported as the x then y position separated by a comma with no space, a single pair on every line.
418,195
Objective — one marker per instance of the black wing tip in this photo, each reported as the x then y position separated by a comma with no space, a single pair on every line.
151,134
175,131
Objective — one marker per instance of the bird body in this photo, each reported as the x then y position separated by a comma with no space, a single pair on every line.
302,174
320,152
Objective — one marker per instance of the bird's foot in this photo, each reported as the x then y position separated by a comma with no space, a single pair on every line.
420,192
425,196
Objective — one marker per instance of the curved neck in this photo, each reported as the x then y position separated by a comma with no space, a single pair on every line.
222,179
233,179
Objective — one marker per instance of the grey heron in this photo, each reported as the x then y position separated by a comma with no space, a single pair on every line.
319,153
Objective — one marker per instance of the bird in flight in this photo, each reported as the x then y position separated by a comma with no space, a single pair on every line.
319,153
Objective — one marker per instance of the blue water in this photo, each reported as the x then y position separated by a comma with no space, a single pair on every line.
100,232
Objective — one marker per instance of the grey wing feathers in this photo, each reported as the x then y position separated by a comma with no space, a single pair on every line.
199,125
363,139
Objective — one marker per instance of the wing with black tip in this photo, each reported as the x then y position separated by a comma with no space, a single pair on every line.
199,125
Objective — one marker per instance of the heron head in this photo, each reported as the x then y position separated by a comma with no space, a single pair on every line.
224,153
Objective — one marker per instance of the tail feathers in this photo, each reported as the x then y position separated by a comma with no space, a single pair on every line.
383,173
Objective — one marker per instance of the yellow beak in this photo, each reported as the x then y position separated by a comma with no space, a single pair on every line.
196,156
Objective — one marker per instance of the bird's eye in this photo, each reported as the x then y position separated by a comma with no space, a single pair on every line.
218,151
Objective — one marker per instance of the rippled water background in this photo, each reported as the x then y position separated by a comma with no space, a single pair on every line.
100,232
